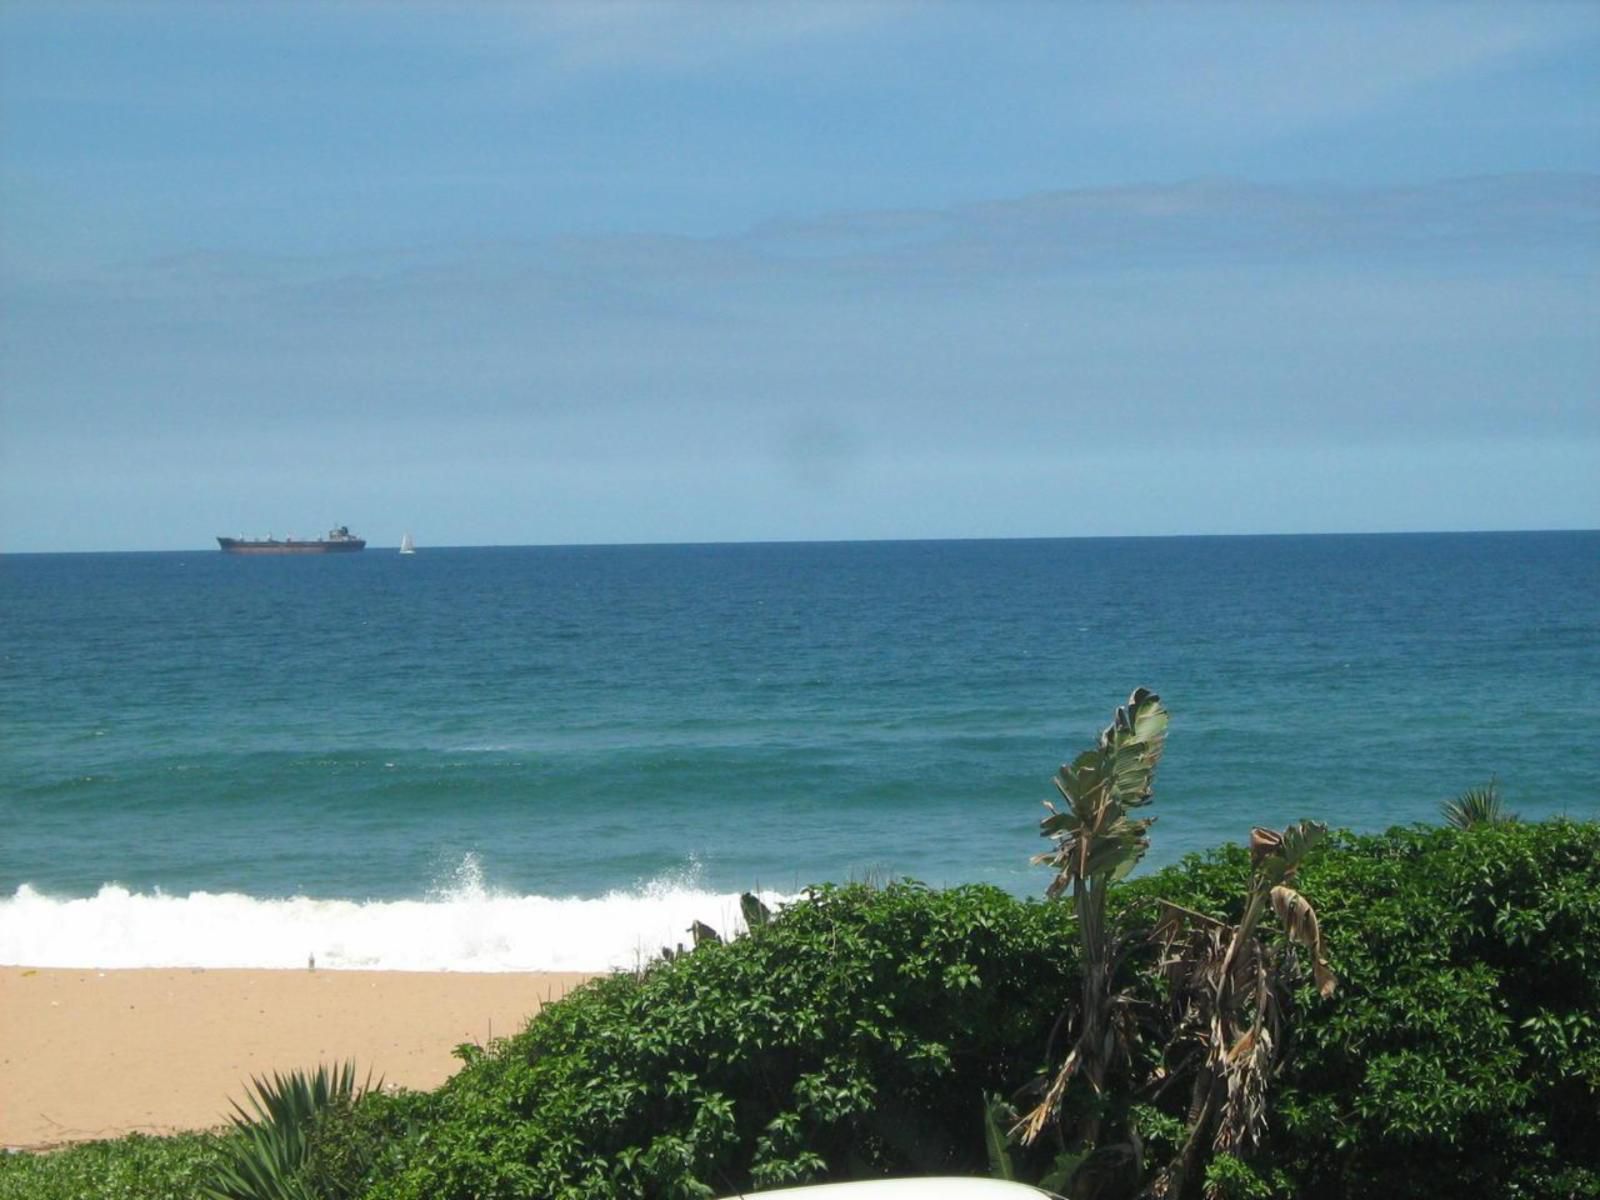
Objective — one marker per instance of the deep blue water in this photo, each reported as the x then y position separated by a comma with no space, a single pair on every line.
590,718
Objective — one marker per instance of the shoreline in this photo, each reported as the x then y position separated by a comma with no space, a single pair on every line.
99,1053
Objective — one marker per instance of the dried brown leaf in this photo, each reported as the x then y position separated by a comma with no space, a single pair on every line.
1263,843
1300,921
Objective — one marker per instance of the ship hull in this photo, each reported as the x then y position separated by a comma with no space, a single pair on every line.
343,546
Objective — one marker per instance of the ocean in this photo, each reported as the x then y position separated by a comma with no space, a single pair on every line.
557,757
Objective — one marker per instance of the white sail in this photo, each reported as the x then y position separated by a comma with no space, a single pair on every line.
407,546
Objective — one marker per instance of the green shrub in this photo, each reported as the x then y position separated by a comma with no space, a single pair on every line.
859,1033
854,1035
1462,1053
132,1168
342,1142
346,1143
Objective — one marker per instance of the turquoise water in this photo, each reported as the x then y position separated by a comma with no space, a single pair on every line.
594,721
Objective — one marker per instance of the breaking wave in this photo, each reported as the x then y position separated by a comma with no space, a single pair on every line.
461,925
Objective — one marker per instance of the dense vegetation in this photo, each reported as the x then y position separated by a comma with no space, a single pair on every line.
860,1032
856,1035
1461,1055
137,1167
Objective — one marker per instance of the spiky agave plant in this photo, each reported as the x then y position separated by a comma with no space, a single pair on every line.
1228,985
1477,806
267,1157
1098,841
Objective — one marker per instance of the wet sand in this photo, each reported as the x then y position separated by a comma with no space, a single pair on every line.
92,1054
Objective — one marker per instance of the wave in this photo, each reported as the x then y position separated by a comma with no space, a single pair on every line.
460,926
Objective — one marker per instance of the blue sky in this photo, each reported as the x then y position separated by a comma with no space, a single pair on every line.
648,272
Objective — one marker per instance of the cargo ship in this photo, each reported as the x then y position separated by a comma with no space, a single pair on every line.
338,541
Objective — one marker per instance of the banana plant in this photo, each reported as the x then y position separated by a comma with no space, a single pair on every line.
1228,986
1098,840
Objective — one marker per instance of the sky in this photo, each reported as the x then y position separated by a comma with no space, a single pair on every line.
627,272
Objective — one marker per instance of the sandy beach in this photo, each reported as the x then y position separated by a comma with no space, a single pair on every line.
90,1054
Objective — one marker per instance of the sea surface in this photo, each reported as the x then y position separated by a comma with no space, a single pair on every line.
514,758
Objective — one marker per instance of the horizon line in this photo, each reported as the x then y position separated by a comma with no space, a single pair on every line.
1081,537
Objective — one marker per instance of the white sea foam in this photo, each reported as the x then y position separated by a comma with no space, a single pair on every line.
461,927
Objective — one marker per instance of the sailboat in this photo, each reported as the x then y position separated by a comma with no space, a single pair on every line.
407,546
